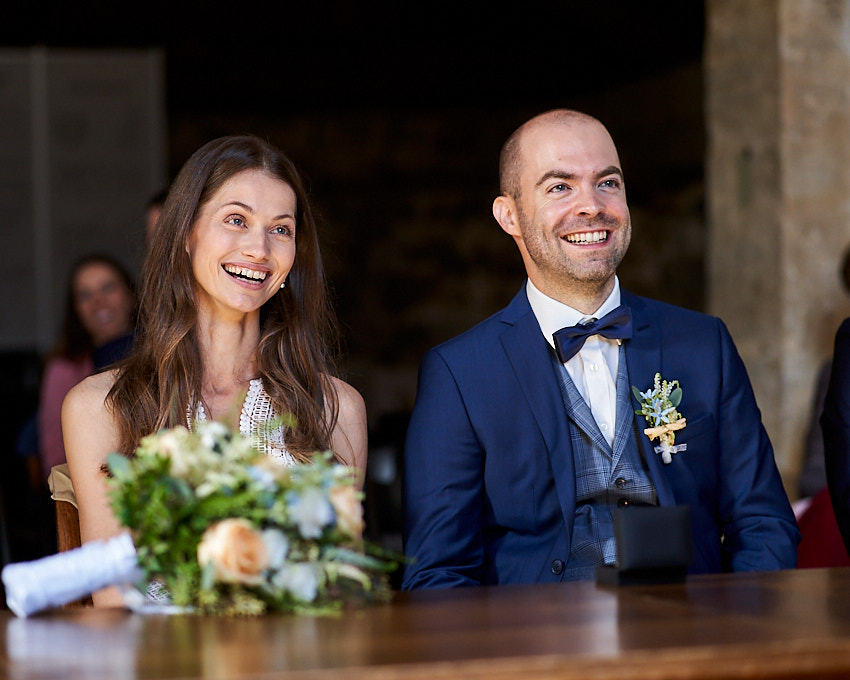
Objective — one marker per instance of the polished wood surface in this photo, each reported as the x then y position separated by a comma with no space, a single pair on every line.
790,624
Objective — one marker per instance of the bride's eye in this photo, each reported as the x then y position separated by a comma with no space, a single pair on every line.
283,230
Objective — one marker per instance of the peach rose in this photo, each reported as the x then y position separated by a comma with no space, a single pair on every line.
348,509
236,550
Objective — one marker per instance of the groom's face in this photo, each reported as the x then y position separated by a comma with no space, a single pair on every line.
571,208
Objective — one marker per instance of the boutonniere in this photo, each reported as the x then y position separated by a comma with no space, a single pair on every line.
658,406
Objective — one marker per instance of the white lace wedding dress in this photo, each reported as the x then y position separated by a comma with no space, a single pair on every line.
256,411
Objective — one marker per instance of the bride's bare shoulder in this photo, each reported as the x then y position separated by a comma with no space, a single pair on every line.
89,396
348,438
89,427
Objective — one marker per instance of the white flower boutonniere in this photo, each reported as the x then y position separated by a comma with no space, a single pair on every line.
658,406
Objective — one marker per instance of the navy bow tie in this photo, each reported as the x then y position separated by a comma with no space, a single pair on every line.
616,324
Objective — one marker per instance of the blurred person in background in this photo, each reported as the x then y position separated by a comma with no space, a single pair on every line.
97,330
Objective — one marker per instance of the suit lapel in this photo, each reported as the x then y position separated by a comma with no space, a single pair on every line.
529,355
644,360
624,422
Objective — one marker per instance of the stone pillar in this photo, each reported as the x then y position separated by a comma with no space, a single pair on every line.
778,195
82,149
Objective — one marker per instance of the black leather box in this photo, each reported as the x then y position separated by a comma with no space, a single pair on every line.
654,545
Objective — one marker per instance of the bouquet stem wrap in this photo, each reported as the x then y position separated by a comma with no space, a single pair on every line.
59,579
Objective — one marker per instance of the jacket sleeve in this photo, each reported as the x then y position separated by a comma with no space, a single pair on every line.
835,423
443,485
759,530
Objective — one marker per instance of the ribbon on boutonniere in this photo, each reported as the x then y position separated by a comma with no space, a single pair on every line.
658,406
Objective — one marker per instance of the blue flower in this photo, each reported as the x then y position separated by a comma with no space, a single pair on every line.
659,413
262,478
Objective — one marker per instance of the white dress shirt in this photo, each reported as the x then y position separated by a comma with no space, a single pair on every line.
594,367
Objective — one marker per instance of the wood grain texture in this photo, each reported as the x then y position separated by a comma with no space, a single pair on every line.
67,526
788,624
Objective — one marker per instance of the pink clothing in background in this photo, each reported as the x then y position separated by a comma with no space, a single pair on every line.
60,376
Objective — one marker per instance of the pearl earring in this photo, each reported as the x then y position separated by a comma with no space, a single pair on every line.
283,285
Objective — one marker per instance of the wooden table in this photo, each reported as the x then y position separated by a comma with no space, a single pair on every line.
792,624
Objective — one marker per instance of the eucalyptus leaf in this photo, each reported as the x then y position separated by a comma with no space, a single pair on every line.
120,467
676,397
356,558
636,392
208,576
180,488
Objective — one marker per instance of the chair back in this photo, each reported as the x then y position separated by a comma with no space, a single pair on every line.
67,515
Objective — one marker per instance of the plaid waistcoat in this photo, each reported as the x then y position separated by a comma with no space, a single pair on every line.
605,478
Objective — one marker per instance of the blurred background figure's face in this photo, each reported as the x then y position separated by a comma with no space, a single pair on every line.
103,302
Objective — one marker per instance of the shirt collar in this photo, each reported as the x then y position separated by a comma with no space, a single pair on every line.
553,315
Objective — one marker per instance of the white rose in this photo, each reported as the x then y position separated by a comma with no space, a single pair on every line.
311,511
299,579
211,432
172,444
277,547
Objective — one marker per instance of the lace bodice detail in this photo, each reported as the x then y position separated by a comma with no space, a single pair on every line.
256,411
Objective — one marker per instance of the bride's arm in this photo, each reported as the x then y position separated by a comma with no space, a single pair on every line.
349,437
90,434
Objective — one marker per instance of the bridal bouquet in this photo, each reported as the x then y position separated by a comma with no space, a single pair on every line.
224,529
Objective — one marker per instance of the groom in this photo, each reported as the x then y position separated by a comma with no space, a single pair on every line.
521,446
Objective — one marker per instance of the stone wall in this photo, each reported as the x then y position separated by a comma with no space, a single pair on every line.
778,191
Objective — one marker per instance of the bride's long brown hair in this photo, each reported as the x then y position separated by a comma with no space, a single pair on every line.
162,377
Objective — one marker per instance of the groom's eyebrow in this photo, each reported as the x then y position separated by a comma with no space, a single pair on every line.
555,174
563,174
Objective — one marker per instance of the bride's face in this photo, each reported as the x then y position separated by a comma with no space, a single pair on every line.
242,245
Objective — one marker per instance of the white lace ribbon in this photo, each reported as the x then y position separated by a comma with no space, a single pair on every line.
667,450
58,579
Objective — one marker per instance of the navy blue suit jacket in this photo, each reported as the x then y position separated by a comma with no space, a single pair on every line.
835,422
489,479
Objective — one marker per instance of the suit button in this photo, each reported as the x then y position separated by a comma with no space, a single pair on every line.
622,502
620,483
557,567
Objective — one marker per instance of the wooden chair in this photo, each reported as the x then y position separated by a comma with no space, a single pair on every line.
67,516
67,526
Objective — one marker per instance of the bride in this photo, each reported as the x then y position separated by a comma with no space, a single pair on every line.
234,326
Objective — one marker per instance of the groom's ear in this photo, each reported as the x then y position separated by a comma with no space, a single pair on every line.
505,212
